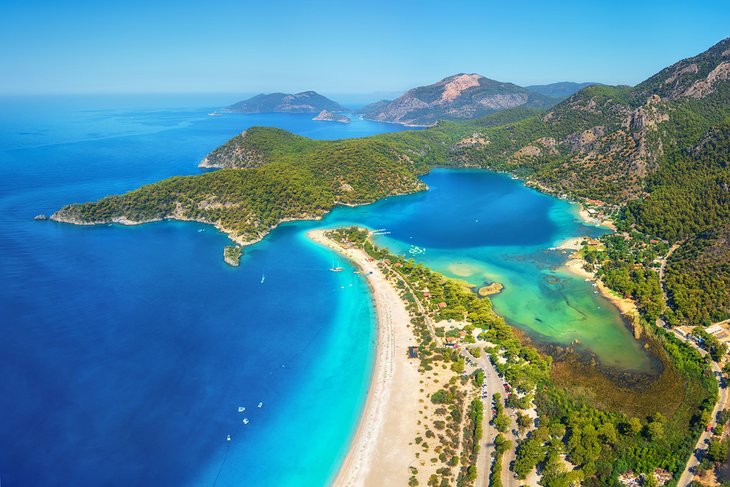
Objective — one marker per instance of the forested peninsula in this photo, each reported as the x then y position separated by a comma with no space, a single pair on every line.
653,157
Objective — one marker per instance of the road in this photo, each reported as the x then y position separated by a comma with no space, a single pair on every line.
701,445
494,384
721,403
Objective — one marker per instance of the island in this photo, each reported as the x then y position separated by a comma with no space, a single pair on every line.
304,102
327,116
232,255
652,159
490,289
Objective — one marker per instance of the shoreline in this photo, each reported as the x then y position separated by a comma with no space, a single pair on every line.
383,439
625,306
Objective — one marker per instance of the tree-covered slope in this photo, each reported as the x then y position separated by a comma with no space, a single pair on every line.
659,151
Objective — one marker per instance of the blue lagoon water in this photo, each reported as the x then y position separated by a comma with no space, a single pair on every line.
125,352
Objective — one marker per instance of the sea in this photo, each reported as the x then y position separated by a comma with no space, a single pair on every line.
136,356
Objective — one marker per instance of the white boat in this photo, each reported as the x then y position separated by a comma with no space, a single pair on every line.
263,277
336,268
241,409
245,420
261,404
228,438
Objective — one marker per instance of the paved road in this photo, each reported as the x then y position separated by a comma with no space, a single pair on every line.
701,445
494,384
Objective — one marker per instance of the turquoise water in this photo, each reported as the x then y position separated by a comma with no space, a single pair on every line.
484,227
126,351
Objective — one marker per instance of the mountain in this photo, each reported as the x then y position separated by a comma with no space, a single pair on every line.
560,90
461,96
304,102
658,154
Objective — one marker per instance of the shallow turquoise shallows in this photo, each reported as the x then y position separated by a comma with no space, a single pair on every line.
126,352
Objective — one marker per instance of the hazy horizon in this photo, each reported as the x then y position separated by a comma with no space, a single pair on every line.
80,47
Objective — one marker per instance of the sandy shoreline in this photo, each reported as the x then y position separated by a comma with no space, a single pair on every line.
625,305
382,446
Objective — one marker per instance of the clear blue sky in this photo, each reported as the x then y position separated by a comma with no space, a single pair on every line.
72,46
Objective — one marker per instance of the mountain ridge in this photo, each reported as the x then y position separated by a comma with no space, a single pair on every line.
304,102
460,96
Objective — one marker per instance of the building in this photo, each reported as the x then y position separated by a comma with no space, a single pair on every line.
412,352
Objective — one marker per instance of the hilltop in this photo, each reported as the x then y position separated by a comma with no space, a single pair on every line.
304,102
658,153
461,96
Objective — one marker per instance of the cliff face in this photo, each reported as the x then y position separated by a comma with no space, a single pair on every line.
305,102
462,96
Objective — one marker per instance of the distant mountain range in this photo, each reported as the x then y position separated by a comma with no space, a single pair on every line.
461,96
465,96
561,90
304,102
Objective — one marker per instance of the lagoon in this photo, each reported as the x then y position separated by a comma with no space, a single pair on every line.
140,343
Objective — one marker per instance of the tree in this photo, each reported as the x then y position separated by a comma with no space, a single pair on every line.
655,430
634,426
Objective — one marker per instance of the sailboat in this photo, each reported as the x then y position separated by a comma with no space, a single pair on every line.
336,268
263,277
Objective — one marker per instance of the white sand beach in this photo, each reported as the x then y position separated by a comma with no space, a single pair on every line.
383,443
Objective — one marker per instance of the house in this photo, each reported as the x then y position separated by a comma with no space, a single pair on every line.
412,352
442,305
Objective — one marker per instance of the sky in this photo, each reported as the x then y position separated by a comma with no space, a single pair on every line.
356,47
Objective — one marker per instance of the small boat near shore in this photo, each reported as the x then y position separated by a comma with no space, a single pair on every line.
336,268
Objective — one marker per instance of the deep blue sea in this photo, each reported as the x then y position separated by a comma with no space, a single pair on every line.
125,352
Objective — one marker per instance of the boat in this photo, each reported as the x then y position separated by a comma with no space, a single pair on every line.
245,421
214,114
263,277
241,409
336,268
228,438
261,404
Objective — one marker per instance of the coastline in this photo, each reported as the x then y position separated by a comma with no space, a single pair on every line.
575,265
383,440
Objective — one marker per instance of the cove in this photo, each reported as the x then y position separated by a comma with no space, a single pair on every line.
140,344
484,227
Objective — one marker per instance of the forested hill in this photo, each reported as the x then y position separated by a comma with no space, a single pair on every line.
662,146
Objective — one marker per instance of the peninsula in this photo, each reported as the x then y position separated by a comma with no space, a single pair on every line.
383,437
654,157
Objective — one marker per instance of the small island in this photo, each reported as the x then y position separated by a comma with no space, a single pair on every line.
232,255
328,116
490,289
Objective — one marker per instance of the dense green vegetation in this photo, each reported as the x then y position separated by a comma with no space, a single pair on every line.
656,155
698,278
232,254
600,442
